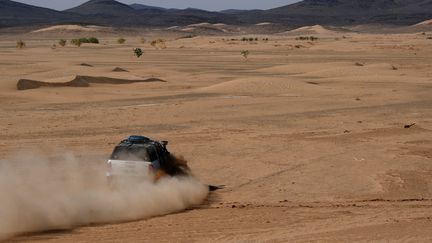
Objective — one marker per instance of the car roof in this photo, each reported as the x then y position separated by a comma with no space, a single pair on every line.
138,141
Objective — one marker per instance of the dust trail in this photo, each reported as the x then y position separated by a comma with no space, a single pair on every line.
38,193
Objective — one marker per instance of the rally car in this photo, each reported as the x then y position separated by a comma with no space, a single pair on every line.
142,158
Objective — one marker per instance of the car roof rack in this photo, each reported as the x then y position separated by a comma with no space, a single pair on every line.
137,139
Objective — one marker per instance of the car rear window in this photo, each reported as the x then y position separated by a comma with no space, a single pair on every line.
131,153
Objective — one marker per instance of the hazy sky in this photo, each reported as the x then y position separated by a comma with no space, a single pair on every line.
202,4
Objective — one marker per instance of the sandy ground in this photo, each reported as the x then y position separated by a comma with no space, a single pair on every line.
308,137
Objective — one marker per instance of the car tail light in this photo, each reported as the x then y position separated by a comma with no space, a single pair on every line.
150,168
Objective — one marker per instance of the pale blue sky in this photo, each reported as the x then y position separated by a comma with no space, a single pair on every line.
202,4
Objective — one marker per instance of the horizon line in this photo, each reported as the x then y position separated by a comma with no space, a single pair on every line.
154,5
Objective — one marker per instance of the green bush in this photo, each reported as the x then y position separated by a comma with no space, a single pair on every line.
84,40
138,52
93,40
80,41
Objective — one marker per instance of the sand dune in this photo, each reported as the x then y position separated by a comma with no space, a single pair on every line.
263,24
333,69
313,30
119,69
200,24
72,28
189,29
266,86
80,81
425,23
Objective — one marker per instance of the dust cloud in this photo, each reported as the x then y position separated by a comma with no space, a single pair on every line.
38,193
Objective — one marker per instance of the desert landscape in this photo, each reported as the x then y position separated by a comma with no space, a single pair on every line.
323,139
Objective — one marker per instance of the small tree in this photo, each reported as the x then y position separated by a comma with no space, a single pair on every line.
62,43
121,40
245,53
20,44
138,52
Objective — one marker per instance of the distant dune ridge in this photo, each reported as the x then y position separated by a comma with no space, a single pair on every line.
315,30
307,12
425,23
72,28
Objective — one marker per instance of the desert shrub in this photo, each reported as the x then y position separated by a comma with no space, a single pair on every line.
20,44
429,38
89,40
158,43
121,40
62,42
311,38
84,40
80,41
186,37
265,39
250,39
138,52
93,40
143,40
245,53
76,42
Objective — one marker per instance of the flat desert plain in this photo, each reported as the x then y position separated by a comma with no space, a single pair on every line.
310,138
